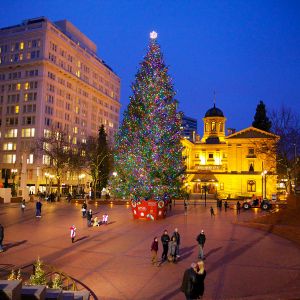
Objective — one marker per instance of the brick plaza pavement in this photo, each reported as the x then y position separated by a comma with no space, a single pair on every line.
114,260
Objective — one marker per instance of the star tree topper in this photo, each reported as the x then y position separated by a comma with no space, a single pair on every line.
153,35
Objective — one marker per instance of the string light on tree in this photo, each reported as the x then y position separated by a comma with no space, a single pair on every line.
148,156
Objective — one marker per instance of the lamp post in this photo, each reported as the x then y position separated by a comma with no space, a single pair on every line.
46,177
264,182
14,172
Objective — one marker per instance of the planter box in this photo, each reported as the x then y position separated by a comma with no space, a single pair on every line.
149,209
33,292
10,289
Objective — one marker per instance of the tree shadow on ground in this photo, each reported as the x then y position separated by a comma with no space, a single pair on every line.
186,252
11,245
210,252
82,238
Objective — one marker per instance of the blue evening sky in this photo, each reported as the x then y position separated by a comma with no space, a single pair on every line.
245,51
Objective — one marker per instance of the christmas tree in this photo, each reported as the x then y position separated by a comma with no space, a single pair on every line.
148,158
39,276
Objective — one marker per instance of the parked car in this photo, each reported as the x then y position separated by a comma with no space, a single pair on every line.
265,204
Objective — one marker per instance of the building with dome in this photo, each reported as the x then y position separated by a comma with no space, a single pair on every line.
241,163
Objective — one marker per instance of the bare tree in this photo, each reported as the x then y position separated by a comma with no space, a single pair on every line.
286,124
56,146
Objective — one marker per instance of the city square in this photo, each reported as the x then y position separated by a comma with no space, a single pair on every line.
149,150
114,260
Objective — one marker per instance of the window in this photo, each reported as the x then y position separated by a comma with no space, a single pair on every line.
213,126
28,132
9,146
251,151
11,133
47,133
9,158
21,47
197,155
210,155
46,160
251,186
30,159
206,127
251,166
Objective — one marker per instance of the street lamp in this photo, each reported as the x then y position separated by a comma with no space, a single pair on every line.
264,182
115,174
14,172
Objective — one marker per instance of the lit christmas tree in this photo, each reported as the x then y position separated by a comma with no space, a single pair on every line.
148,157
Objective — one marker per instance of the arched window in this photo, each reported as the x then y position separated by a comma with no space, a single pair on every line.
213,126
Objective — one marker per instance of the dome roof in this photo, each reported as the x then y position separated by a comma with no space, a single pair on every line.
214,112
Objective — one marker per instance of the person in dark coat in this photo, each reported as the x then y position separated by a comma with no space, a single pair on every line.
89,217
225,205
83,209
165,239
238,207
177,238
201,238
154,250
38,208
1,237
200,277
189,281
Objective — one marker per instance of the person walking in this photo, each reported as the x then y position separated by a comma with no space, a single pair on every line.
212,212
189,281
173,249
201,238
177,237
185,207
89,217
38,208
225,205
154,250
1,237
83,209
238,207
165,239
200,277
23,205
73,233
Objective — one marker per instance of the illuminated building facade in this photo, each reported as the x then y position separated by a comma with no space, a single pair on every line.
232,165
51,78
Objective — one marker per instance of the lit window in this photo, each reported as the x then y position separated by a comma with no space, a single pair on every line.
26,85
18,86
46,160
26,97
21,56
9,146
17,109
75,129
47,133
9,158
213,126
21,46
74,140
30,159
28,132
78,73
11,133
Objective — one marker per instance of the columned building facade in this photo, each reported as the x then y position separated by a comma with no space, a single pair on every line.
240,164
50,79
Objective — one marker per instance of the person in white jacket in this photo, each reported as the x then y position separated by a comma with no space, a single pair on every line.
73,233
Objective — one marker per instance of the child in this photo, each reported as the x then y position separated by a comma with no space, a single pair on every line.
105,218
73,232
23,205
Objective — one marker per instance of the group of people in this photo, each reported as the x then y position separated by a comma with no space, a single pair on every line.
170,247
89,217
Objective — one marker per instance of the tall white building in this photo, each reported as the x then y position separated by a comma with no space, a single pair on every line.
50,77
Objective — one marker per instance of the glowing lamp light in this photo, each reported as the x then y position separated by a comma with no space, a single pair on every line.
142,214
153,35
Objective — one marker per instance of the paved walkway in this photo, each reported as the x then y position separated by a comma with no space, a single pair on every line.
114,260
